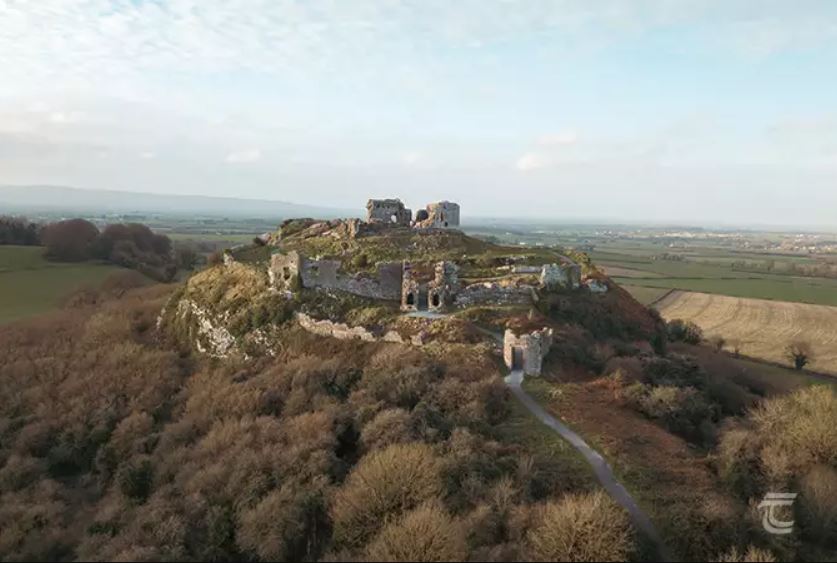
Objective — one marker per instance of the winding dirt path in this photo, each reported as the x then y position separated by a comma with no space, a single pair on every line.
600,467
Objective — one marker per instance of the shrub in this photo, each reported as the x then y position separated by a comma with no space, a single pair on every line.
135,479
399,377
360,261
684,331
384,483
752,555
282,525
391,426
819,504
587,527
788,442
427,533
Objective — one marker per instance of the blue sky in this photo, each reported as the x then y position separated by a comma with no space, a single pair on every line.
647,110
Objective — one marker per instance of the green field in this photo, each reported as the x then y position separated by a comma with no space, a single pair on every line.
30,285
707,271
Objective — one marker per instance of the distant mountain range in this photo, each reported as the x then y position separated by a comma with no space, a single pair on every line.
60,199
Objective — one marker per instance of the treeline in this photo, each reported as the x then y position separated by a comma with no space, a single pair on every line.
19,231
129,245
823,269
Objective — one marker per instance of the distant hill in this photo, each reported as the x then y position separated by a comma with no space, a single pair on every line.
60,198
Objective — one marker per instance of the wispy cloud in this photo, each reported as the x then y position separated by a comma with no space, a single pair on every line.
106,42
532,161
244,156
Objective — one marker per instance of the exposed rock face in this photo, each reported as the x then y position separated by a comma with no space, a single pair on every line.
211,337
388,211
526,352
561,276
596,286
440,215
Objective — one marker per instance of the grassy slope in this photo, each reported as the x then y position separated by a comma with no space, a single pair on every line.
30,285
652,463
524,429
419,247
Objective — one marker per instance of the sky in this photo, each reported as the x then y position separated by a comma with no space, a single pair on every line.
715,112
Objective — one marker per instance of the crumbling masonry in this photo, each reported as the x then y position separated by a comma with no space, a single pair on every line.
527,352
388,211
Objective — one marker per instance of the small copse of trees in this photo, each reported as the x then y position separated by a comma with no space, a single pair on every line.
19,231
130,245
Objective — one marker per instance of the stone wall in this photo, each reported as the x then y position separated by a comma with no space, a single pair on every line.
342,331
287,270
439,215
410,289
442,291
491,293
527,352
284,270
388,211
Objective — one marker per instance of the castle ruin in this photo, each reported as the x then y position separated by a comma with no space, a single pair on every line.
429,286
439,215
526,352
388,211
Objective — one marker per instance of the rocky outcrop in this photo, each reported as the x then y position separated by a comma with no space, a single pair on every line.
209,334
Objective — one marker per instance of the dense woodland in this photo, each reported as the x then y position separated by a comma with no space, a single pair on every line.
118,443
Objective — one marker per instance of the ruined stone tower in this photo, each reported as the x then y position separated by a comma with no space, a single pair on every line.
388,211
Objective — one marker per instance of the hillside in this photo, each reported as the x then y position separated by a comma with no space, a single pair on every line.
358,284
285,403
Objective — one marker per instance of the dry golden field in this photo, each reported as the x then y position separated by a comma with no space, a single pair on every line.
761,329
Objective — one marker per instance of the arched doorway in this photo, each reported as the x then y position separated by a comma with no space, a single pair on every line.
517,358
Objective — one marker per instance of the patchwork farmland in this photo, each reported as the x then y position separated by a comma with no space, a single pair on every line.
759,328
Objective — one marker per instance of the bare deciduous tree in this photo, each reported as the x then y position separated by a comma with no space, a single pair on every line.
800,354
